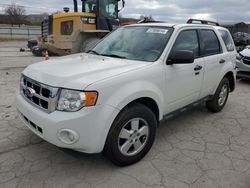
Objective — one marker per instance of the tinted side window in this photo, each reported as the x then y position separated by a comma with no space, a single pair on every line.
227,40
210,43
187,40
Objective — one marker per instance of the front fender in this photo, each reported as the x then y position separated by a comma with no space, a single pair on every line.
135,90
120,95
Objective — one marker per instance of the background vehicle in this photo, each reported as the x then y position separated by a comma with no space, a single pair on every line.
243,64
112,98
241,38
78,31
240,32
32,43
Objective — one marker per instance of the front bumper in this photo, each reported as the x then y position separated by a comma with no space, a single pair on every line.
243,70
91,124
243,74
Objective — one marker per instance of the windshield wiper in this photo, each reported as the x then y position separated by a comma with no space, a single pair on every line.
114,55
94,52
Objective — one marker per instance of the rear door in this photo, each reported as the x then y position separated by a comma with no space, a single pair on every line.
183,81
229,44
214,60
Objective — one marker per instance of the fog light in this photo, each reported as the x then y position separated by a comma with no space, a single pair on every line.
68,136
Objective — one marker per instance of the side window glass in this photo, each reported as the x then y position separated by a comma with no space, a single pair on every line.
187,40
89,6
210,43
227,40
108,8
67,27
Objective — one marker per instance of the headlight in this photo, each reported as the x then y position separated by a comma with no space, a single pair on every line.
72,100
239,57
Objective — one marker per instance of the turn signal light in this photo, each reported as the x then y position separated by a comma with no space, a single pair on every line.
91,98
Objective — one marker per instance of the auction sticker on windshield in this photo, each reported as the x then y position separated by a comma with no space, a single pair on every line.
157,30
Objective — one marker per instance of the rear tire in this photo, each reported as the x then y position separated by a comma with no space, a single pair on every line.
220,97
131,136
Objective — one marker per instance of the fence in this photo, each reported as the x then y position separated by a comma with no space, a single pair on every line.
13,33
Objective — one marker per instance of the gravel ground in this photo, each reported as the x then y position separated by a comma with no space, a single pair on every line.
197,149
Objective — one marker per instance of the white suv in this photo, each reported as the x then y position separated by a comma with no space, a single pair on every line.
112,98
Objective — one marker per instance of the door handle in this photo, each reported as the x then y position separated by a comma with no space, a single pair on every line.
197,68
222,61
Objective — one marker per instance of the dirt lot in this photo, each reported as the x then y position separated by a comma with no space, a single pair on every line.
196,149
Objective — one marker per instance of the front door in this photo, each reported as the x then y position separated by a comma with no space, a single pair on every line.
183,81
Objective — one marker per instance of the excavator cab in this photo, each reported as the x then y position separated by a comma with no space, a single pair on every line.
106,12
78,30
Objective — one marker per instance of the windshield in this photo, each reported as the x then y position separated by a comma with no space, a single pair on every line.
143,43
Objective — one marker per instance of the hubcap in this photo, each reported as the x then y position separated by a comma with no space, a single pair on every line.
133,137
223,95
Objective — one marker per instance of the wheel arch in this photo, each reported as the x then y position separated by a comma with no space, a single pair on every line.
148,102
150,98
230,76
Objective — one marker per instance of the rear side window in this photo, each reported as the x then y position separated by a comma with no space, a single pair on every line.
210,44
187,40
227,40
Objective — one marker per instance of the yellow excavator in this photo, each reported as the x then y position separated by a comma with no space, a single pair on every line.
72,32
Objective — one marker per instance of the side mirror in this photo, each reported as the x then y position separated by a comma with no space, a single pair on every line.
123,5
181,57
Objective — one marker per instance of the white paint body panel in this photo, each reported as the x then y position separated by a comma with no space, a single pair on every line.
118,83
79,70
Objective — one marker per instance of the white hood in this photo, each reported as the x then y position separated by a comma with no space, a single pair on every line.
79,70
245,52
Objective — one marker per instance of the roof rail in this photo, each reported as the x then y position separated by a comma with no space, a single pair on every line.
207,22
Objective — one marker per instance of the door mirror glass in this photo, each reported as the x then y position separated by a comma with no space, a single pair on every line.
181,57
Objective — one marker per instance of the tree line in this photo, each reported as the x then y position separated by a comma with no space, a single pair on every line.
16,15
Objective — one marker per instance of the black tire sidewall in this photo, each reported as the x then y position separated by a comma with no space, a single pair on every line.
111,147
213,105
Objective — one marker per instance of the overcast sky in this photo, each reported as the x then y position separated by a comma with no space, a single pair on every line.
164,10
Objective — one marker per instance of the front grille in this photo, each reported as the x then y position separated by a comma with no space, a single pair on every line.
42,96
246,60
32,125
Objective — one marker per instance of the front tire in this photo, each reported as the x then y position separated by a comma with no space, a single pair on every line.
131,136
220,97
